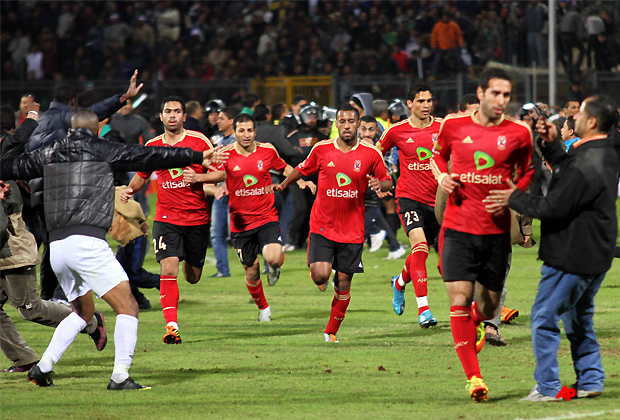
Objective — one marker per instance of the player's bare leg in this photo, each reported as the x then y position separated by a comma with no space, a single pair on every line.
320,272
169,298
340,303
272,253
255,287
192,274
414,271
466,325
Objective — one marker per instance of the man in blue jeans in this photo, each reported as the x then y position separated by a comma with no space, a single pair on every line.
578,239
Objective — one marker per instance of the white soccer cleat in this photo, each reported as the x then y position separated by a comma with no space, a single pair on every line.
394,255
376,240
331,338
264,315
273,275
288,248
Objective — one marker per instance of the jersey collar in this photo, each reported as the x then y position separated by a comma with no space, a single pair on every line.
587,139
338,147
414,126
179,141
242,151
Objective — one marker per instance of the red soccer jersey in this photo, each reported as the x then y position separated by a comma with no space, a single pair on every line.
246,179
338,211
484,158
415,146
178,202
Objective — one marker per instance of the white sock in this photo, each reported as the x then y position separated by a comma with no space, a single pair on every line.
125,339
422,301
63,337
400,280
173,324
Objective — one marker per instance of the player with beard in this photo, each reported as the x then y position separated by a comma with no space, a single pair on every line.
485,148
415,195
181,226
345,167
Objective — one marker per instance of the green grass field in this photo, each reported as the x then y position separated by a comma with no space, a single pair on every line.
385,366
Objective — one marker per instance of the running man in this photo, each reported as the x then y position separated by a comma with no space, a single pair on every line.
415,195
254,222
181,226
474,246
346,167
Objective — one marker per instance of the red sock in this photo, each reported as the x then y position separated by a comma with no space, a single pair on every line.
417,268
169,297
476,316
256,290
464,335
340,303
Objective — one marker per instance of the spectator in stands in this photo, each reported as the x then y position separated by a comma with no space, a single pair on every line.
595,26
572,35
534,21
446,38
24,107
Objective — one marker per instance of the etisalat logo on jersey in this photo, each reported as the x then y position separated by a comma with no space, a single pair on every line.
342,180
423,154
175,173
482,161
248,181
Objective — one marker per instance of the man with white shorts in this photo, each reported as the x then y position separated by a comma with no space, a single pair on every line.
79,206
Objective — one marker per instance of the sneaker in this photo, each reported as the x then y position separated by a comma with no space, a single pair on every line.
288,248
480,338
126,384
273,275
172,335
582,393
426,319
477,389
20,369
40,378
494,338
264,315
536,396
265,269
218,275
394,255
331,338
398,302
376,240
509,315
99,336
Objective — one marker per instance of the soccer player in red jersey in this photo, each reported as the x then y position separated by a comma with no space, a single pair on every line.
415,195
346,167
253,217
485,148
181,226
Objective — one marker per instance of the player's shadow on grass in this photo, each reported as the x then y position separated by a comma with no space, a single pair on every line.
258,333
439,329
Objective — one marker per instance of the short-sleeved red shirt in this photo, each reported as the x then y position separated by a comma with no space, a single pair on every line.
484,158
246,179
179,202
415,146
338,211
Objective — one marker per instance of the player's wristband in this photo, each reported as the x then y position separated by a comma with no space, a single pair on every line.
441,177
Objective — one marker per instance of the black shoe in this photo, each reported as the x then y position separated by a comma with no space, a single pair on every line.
143,303
40,378
20,369
126,384
99,336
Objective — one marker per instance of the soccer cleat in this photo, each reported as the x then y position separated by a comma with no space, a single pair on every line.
582,393
394,255
426,319
99,336
264,315
20,369
477,389
398,302
172,335
480,338
331,338
536,396
273,275
376,240
508,315
126,384
40,378
494,338
288,248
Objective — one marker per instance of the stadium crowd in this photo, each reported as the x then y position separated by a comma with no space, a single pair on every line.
80,40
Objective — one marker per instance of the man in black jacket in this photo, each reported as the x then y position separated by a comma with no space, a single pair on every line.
79,209
53,126
578,239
